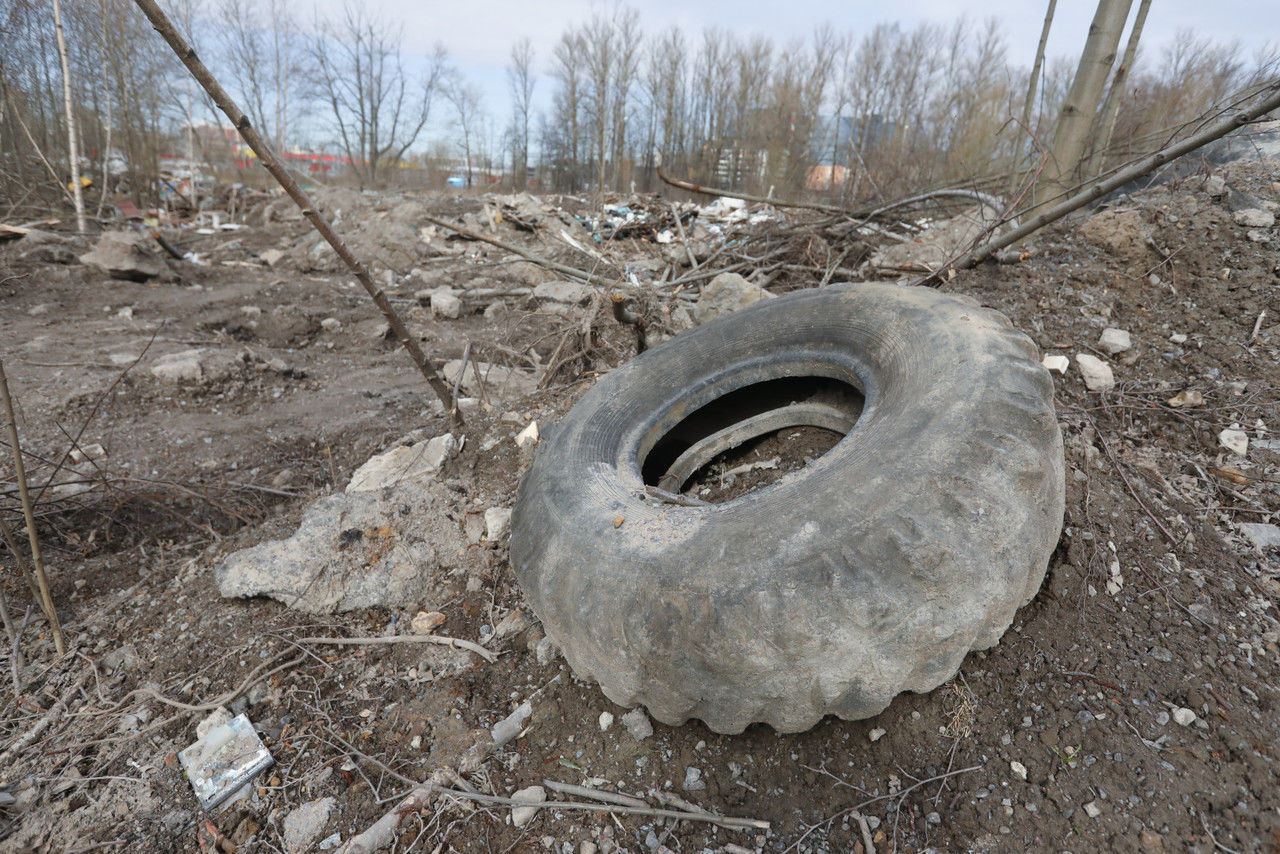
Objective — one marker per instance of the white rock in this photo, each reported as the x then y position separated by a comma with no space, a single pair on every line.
1092,809
1018,769
331,324
497,521
637,723
445,303
510,726
303,825
1234,440
520,816
1178,338
1097,373
414,462
1114,340
1262,534
561,297
1184,717
606,721
1254,218
1055,362
515,622
271,257
693,781
527,436
1215,186
179,367
426,622
876,734
1186,397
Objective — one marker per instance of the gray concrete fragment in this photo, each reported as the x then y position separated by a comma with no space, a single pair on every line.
126,255
726,293
303,825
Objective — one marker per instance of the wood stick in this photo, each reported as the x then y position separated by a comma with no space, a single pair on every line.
443,640
37,561
594,794
746,197
265,154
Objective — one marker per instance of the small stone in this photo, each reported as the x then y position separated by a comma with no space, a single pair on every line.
520,816
1184,716
1178,338
1160,653
303,825
515,622
527,436
1162,718
693,781
331,324
606,721
446,304
271,257
1096,373
1254,218
876,734
1234,440
1266,450
547,651
509,727
497,522
426,622
1055,362
588,848
1185,398
1263,535
1092,809
1018,769
1114,340
1215,186
637,723
179,367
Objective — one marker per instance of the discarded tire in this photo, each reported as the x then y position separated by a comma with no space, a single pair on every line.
871,571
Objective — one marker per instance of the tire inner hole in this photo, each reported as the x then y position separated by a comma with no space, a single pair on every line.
749,438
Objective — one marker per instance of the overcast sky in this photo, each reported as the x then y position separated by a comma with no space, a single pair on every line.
479,33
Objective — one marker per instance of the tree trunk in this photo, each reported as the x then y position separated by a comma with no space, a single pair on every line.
1111,107
1076,116
73,145
1029,104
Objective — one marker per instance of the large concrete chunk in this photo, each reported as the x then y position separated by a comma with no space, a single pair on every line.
124,255
496,380
355,550
727,292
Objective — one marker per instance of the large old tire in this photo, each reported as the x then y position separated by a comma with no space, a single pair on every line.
872,570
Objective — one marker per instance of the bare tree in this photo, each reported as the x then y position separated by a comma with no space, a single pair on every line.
520,80
73,146
1076,116
468,121
261,56
1111,107
378,110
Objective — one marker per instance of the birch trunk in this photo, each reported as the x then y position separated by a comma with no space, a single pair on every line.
1076,116
1111,107
73,144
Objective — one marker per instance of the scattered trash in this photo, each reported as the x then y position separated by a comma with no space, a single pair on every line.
225,758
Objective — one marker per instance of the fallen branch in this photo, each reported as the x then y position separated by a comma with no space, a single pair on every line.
746,197
265,154
443,640
37,561
594,794
1123,176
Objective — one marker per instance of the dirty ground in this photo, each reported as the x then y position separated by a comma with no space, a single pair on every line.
1132,705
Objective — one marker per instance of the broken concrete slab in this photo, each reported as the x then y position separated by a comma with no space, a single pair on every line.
1254,218
498,380
354,550
125,255
407,463
727,293
303,825
938,243
199,366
